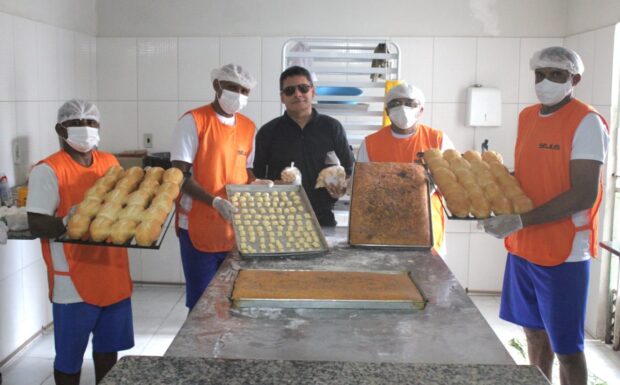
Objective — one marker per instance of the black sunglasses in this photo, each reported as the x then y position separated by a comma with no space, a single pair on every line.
290,90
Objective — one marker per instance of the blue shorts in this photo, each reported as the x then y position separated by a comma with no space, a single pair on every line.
552,298
112,328
199,268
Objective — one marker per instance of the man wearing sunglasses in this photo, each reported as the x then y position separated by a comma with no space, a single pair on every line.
301,135
403,140
561,146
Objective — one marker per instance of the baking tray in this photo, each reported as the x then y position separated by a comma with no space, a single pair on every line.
316,289
131,244
396,246
321,250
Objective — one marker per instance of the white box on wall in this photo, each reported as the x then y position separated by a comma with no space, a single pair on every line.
484,107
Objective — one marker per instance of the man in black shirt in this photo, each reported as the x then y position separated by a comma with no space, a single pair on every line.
303,136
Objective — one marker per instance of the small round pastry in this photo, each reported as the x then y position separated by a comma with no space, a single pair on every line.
135,173
110,210
78,226
127,184
492,157
147,232
122,231
100,229
155,214
138,198
117,196
458,163
173,175
107,181
115,171
169,189
155,174
472,155
522,204
89,207
436,164
133,213
499,170
501,205
432,153
96,192
480,206
451,154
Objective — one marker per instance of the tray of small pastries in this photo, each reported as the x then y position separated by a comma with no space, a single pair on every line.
326,289
275,221
390,206
129,208
474,185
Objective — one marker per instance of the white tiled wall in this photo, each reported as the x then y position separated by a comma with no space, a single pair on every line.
40,67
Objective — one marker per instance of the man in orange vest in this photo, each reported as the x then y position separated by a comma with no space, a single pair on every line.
216,142
561,146
89,286
403,140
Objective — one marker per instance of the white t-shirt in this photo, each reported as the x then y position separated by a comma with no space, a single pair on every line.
44,198
184,148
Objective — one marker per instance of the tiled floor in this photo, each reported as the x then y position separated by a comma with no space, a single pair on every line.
159,312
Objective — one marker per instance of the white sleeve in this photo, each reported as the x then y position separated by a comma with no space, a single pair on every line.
362,153
446,143
591,139
43,196
250,162
184,140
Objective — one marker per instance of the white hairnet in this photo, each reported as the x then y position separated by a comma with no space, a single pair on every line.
557,57
405,90
234,73
78,109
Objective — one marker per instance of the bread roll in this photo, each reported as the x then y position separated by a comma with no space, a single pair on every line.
96,192
100,229
169,189
107,181
492,157
508,180
458,163
163,202
436,164
127,184
154,174
155,214
150,186
473,188
493,191
472,156
498,170
464,175
452,189
122,231
173,175
480,206
118,196
443,176
138,198
432,153
479,166
133,213
458,205
522,204
89,207
451,154
135,173
147,232
78,226
109,210
501,205
485,179
511,191
115,171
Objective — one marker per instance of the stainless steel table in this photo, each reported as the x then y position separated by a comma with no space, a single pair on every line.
450,330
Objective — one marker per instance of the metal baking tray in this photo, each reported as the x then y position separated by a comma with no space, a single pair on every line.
280,288
397,246
323,249
131,244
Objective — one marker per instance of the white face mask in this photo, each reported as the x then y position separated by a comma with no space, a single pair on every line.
82,139
550,93
232,102
404,117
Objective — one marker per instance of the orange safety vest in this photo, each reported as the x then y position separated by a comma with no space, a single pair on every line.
221,159
100,274
542,166
382,146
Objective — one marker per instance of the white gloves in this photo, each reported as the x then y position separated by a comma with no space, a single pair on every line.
224,207
3,233
17,219
263,182
502,226
66,218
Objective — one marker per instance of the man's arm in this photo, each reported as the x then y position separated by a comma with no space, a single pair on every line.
343,150
584,175
190,186
45,226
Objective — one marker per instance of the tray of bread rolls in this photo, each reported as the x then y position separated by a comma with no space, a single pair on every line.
275,221
474,185
129,208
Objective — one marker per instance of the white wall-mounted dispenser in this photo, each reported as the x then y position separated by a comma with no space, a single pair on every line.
484,107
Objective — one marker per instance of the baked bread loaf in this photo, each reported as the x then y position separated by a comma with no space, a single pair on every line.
115,171
432,153
135,173
138,198
77,226
133,213
155,174
89,207
333,175
106,181
451,154
163,202
122,231
110,210
149,186
118,196
171,190
472,156
100,229
127,184
96,192
437,163
492,157
522,204
173,175
390,205
156,214
147,232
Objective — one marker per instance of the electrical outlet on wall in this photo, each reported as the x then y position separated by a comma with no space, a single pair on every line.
148,140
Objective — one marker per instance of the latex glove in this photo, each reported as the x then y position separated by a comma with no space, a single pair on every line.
502,226
263,182
336,190
66,218
17,219
291,175
224,207
3,233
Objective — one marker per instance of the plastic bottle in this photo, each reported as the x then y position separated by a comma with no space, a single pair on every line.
6,196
